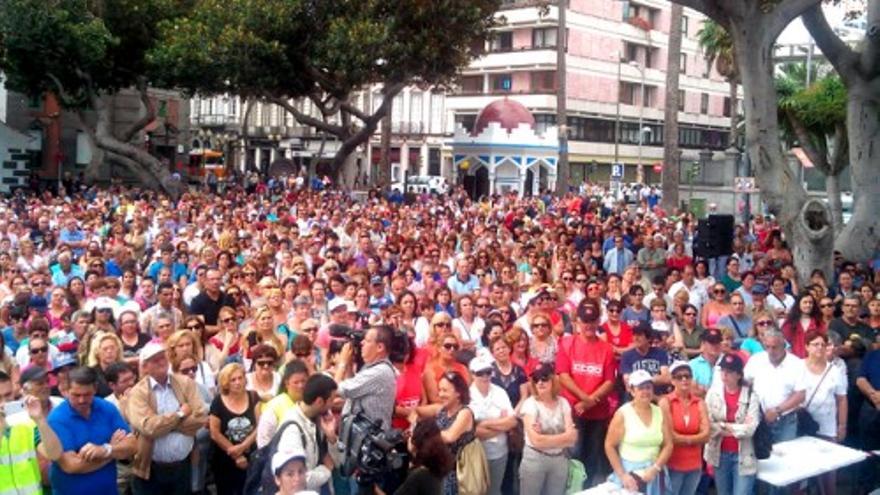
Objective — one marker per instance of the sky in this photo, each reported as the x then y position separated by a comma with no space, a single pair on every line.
796,33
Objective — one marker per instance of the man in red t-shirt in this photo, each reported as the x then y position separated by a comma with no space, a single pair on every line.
586,368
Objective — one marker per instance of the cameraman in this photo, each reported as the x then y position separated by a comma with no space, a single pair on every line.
373,389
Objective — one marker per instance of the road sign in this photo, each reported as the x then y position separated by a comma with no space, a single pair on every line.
616,171
745,185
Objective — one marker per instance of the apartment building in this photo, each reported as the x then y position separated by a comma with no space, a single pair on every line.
614,49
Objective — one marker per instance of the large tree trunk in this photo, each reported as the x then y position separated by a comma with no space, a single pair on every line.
860,72
385,161
671,159
859,238
733,89
132,155
835,205
806,224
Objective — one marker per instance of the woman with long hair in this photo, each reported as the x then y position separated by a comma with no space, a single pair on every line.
454,418
716,307
734,414
468,325
690,430
615,331
639,440
263,332
105,349
76,293
293,382
408,303
225,343
431,461
232,422
184,343
802,319
443,362
549,431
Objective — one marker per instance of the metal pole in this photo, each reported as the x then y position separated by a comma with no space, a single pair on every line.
617,118
809,63
562,172
640,172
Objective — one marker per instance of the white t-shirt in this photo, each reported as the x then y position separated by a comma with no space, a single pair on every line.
552,421
775,302
472,332
823,406
492,406
774,384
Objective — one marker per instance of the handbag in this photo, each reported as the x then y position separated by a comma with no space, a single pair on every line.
472,468
516,438
806,424
577,476
762,439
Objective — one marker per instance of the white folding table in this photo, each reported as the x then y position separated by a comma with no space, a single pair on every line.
803,458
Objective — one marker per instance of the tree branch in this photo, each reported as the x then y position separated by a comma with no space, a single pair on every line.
841,56
148,116
820,160
785,12
62,93
305,119
871,51
353,110
840,156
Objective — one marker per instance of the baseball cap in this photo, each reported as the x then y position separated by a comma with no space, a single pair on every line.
543,371
639,377
63,362
482,361
32,374
338,302
759,289
151,350
731,362
282,457
376,280
643,328
677,365
711,335
588,311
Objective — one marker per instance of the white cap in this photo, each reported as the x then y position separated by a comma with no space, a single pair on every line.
282,457
105,302
482,361
676,365
151,350
338,302
638,378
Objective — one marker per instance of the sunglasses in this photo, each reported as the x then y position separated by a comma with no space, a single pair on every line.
581,280
450,347
303,355
39,350
250,274
542,378
567,279
682,377
690,314
190,370
719,291
540,325
483,373
442,325
763,323
613,311
193,327
265,364
227,320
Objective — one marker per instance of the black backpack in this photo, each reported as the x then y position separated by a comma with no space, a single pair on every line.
259,478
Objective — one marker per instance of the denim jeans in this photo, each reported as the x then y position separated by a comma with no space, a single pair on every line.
630,466
784,429
683,482
728,481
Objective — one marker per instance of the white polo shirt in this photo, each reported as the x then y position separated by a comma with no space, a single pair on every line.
774,384
492,406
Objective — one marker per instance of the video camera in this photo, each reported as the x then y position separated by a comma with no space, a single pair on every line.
370,452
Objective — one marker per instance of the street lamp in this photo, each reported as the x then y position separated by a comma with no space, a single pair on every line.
640,172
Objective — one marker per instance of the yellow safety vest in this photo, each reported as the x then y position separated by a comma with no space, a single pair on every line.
19,470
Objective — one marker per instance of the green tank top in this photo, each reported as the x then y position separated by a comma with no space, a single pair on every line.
641,443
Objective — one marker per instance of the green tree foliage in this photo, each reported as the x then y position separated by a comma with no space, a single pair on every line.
324,50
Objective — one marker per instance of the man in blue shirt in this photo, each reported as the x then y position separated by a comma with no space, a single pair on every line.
463,283
643,356
73,237
868,383
166,260
704,366
93,436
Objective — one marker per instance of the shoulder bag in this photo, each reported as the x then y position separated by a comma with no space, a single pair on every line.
806,424
472,468
762,439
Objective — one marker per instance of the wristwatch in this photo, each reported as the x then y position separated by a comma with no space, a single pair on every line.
108,448
180,415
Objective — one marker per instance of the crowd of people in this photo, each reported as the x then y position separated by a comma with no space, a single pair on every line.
158,346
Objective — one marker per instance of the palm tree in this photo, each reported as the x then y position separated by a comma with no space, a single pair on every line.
717,46
671,164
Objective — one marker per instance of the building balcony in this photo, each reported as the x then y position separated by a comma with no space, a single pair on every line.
215,120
